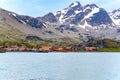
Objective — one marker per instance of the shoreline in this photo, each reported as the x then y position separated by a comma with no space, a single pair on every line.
59,52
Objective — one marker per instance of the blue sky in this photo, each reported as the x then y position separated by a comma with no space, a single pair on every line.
37,8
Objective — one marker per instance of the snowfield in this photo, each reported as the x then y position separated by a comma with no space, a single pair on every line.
83,66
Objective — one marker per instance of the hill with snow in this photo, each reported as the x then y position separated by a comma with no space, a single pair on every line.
75,22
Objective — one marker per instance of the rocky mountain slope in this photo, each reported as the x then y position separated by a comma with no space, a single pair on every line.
76,22
115,16
85,16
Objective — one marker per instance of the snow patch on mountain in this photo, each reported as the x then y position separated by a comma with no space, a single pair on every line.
115,16
85,25
15,15
115,21
94,10
74,4
68,12
23,21
77,12
63,12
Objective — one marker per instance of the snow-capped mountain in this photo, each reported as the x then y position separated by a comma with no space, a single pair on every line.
85,16
75,21
69,12
115,16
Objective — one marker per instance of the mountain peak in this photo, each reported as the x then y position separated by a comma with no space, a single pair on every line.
49,14
75,4
117,10
91,6
69,12
48,18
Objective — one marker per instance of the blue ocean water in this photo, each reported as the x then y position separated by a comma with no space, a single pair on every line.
56,66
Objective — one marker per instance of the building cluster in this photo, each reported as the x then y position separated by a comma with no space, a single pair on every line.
46,49
41,49
91,48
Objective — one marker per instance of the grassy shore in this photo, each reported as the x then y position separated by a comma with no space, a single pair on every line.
109,50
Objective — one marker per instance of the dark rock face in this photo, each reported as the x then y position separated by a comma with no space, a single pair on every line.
30,20
70,10
91,6
78,18
118,30
69,13
17,18
58,14
78,14
49,32
61,28
88,8
76,7
99,18
35,23
33,38
116,14
48,18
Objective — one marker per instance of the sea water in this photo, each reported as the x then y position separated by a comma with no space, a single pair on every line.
59,66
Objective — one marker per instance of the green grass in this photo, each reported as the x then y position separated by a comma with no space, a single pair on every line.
109,50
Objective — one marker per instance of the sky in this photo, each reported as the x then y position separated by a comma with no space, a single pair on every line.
38,8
